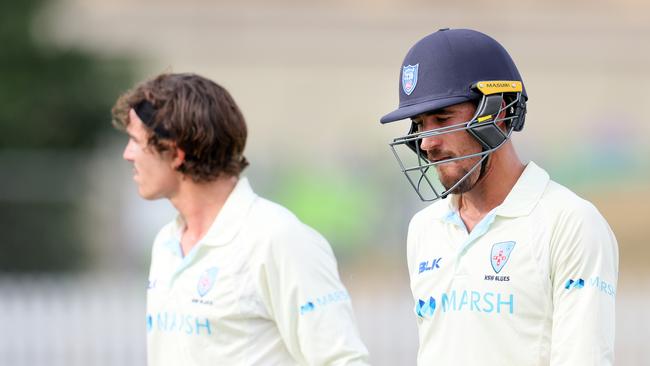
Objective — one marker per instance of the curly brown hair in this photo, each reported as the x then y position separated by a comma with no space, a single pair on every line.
197,115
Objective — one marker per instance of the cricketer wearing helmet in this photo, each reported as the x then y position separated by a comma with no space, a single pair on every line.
235,279
507,267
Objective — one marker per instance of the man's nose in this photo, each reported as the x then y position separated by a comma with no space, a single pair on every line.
430,143
127,154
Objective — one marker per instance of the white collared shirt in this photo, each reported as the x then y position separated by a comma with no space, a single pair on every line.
534,283
261,288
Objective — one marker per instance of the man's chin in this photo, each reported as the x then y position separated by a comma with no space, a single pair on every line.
449,181
448,177
149,196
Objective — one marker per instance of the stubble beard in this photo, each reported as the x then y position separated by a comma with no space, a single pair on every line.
465,185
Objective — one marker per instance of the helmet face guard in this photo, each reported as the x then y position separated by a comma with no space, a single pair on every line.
497,97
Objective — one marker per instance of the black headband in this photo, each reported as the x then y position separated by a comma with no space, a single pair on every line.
147,113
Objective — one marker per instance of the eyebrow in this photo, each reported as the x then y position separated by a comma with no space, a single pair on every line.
132,136
442,111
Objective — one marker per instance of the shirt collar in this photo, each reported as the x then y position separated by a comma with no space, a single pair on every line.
526,193
231,217
445,209
521,200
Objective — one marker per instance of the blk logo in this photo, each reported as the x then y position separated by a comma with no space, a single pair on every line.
425,266
579,283
425,308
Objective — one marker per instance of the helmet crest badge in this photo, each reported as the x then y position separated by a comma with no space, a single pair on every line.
409,78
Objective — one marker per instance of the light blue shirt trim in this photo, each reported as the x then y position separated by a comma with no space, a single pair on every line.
174,246
226,226
453,218
188,260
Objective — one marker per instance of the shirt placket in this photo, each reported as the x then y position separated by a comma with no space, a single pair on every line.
465,240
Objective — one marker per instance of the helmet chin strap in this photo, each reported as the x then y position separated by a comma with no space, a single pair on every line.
483,169
483,166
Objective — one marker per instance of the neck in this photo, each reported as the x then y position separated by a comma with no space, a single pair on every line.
199,204
500,175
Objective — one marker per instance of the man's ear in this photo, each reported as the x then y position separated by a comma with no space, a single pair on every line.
178,158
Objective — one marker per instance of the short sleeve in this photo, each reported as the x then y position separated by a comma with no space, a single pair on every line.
301,289
584,273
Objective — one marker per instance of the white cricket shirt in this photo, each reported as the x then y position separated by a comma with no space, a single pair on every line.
261,288
533,283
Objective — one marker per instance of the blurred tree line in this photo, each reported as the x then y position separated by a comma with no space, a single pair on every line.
53,105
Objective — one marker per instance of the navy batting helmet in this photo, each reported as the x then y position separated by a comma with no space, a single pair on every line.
453,66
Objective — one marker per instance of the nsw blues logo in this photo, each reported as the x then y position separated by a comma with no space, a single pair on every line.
206,281
409,78
500,254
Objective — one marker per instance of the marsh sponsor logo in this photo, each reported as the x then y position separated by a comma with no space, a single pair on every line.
323,301
466,300
425,308
602,286
482,302
308,307
571,283
178,323
595,283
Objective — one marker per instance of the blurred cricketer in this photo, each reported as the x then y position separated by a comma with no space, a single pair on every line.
235,279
